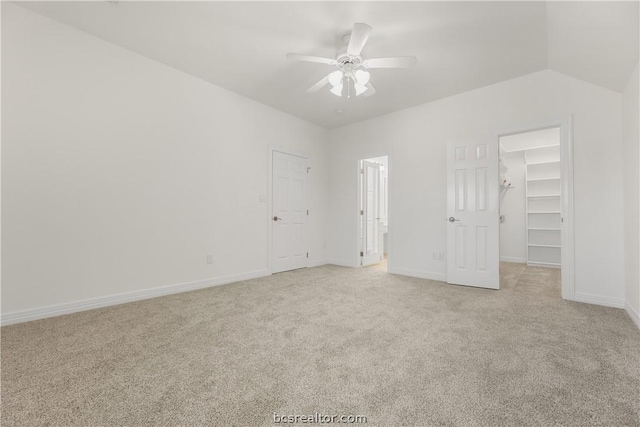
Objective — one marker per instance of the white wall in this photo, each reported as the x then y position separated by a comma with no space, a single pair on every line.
513,232
631,196
415,139
120,174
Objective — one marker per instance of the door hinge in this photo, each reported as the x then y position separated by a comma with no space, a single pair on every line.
307,254
361,253
307,211
361,212
362,171
308,169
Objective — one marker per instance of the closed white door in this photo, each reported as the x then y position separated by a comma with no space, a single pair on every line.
370,214
473,252
289,212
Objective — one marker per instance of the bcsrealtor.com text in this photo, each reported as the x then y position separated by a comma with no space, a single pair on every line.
318,418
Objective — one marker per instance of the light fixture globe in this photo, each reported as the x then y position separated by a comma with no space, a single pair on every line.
362,77
335,78
360,89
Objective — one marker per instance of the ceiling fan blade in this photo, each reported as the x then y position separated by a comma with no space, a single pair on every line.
394,62
322,83
358,39
309,58
370,90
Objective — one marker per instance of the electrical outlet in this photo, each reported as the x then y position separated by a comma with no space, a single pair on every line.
441,256
209,259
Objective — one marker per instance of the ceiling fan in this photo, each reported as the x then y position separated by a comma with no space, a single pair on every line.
351,77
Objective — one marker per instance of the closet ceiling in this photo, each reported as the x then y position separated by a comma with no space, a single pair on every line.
528,140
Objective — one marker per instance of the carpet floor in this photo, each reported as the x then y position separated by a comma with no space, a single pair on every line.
336,341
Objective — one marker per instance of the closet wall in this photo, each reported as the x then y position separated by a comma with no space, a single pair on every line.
513,227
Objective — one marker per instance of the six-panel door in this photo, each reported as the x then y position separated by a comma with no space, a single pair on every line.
289,209
473,214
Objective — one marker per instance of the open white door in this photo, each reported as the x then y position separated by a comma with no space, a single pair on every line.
473,234
371,251
289,212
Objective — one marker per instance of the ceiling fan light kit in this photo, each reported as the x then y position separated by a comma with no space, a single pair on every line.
349,81
350,78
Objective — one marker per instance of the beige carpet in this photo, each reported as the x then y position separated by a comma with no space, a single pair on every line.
400,351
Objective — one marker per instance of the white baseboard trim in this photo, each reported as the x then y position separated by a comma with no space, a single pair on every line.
513,259
544,264
632,313
105,301
342,263
419,274
597,299
317,263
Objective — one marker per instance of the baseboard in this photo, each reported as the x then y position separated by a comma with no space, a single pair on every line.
632,313
598,300
419,274
317,263
342,263
544,264
105,301
513,259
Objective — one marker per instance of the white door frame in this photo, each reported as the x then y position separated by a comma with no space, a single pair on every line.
365,217
356,209
567,246
270,205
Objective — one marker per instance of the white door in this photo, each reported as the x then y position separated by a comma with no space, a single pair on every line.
289,212
371,251
473,252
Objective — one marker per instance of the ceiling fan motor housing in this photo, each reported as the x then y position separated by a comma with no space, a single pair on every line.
348,63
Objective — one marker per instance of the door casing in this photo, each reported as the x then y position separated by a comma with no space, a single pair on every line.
366,258
567,249
356,207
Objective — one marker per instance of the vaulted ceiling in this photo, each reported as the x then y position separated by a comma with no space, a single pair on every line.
460,46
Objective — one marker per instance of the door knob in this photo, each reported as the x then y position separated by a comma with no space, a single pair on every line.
275,218
452,219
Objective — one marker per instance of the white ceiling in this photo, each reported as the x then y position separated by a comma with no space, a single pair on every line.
529,140
594,41
460,46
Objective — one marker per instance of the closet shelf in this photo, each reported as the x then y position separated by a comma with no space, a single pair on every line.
545,229
543,206
542,163
543,179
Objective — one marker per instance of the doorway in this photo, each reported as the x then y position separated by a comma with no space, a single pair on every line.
477,186
530,198
373,202
536,209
